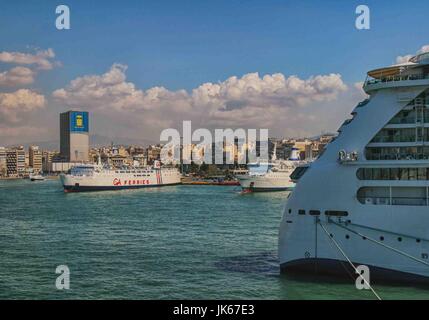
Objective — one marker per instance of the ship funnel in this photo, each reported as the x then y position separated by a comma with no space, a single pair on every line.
274,156
295,155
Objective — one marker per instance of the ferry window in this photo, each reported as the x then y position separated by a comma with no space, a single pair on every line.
336,213
314,212
301,212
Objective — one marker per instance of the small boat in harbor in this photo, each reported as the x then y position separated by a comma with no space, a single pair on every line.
37,177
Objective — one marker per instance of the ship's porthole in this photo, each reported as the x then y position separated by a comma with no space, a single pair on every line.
347,236
363,238
399,239
418,240
381,238
331,235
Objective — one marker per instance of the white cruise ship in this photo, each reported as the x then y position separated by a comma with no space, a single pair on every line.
270,176
365,200
96,177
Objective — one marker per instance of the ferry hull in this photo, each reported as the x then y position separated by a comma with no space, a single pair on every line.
78,188
116,180
265,184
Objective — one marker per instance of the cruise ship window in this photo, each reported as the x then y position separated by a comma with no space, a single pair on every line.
395,174
421,174
376,174
368,174
412,173
404,173
385,174
360,174
336,213
314,212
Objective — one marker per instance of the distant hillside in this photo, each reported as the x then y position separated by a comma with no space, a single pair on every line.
94,140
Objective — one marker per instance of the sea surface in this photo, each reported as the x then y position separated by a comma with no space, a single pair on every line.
179,242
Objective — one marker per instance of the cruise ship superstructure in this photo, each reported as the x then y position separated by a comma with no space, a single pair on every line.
365,200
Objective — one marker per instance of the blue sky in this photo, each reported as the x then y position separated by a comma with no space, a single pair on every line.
182,44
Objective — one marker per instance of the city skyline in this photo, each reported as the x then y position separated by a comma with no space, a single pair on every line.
156,68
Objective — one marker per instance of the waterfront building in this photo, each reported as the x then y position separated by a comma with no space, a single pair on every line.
3,168
15,162
153,153
117,161
35,159
47,157
74,136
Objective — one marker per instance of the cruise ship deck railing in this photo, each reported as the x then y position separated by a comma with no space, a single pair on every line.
397,78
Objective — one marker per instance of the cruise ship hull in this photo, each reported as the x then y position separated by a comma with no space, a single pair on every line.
365,201
334,268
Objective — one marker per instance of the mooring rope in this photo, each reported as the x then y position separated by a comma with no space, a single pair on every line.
348,260
382,244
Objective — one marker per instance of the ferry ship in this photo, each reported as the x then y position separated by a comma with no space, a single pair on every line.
271,176
96,177
365,200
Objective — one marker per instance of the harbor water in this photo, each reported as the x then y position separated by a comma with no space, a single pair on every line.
179,242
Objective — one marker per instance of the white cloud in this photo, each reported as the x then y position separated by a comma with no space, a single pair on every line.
15,105
237,98
251,101
406,58
17,76
43,59
106,91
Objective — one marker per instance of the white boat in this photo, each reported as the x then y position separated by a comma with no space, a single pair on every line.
271,176
37,177
365,200
97,177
